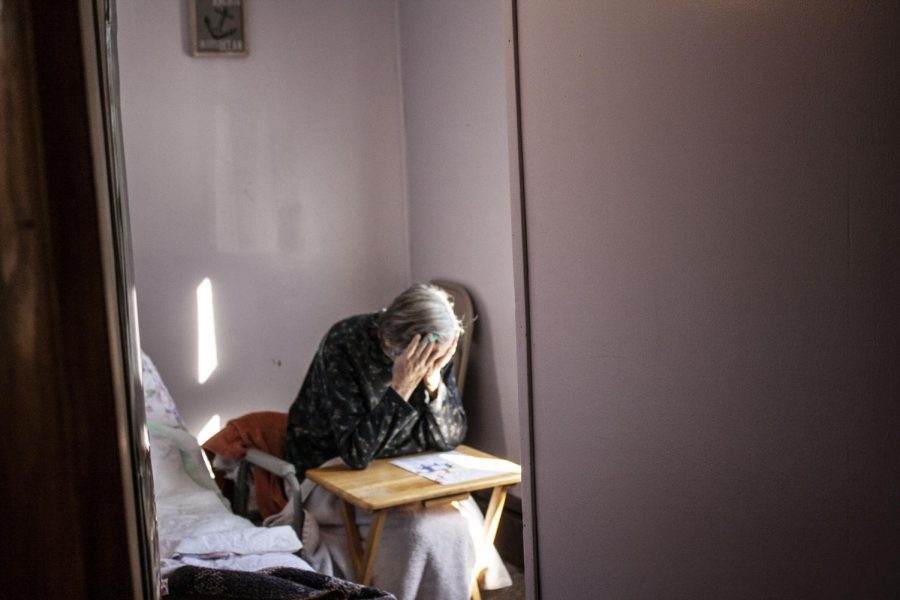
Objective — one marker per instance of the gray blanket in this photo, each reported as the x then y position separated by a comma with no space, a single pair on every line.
426,554
280,583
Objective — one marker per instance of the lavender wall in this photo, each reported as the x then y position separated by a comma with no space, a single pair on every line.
277,175
714,250
453,64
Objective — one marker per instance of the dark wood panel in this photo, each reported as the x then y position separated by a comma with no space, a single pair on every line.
64,526
35,436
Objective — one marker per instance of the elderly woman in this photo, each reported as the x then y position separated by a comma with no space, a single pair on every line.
383,385
378,386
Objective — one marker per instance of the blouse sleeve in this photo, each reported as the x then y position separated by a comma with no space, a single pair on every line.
391,426
361,433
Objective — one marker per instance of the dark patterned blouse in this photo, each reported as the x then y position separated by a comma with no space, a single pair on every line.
347,408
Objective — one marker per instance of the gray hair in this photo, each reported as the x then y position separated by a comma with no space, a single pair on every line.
422,309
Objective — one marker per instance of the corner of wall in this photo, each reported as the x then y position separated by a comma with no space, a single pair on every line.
404,177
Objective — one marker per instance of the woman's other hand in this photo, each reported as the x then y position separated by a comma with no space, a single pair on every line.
444,354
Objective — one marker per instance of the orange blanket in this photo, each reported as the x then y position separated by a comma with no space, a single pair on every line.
266,431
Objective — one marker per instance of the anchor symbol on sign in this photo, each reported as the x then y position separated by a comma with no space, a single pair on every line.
217,32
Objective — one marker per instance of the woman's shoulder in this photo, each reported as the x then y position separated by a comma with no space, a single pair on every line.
354,340
352,331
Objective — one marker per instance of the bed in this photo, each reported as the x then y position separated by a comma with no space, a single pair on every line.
205,549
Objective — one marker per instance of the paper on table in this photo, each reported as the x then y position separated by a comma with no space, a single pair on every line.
454,467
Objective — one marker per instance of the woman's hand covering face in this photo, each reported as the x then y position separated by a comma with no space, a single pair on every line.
420,361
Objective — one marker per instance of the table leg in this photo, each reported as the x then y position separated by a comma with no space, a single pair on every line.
491,522
494,511
374,538
476,593
363,564
356,553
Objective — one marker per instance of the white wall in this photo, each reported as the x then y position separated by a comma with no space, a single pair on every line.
714,265
277,175
280,176
457,167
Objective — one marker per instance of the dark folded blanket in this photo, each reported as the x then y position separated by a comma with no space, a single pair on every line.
280,583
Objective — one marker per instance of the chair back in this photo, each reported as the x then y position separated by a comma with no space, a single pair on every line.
465,311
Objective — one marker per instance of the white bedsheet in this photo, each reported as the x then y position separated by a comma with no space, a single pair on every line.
194,523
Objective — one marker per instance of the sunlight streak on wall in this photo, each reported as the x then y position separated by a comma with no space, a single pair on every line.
207,356
212,427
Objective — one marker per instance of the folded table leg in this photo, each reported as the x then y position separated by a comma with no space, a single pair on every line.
491,522
363,561
374,538
356,553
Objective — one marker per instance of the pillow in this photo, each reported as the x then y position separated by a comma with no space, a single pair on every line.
158,403
170,474
170,443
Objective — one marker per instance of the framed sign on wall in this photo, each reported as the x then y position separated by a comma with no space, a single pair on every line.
218,28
